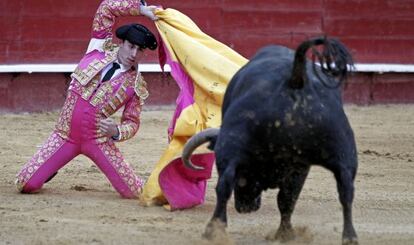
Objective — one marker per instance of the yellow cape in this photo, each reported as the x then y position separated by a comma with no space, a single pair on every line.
209,66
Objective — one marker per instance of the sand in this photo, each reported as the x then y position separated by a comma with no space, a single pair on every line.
79,206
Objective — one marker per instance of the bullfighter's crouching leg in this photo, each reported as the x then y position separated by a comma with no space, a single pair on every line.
52,156
286,200
110,161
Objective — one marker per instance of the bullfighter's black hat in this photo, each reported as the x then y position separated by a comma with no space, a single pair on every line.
137,34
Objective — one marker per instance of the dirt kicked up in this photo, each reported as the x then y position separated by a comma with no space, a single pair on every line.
80,207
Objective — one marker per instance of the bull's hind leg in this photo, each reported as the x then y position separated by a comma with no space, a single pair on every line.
345,184
224,188
286,200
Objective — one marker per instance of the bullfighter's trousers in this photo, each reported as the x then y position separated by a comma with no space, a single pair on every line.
56,152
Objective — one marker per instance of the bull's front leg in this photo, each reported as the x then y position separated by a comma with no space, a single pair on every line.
286,201
224,189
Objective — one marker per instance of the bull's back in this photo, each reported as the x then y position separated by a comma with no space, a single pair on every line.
268,69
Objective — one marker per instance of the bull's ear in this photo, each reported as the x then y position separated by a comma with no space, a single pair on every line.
242,182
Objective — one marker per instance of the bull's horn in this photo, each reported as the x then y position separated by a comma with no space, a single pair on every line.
194,142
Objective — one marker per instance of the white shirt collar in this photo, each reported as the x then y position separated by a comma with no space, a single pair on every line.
123,67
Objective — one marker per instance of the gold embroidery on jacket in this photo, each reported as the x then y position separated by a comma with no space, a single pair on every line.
88,89
109,46
126,131
83,76
100,93
140,88
116,100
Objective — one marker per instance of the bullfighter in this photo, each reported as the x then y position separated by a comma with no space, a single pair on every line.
105,80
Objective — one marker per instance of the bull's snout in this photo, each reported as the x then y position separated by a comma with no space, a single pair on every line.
247,206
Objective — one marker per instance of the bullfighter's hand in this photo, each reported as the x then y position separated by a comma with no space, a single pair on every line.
108,127
148,11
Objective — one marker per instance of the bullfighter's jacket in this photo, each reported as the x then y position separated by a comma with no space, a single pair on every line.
128,88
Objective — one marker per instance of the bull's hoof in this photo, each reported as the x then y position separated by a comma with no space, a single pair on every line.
299,234
350,241
215,230
282,235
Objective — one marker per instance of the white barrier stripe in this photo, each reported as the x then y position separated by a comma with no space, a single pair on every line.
384,68
56,68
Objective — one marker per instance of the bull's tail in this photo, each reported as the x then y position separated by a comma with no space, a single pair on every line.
208,135
334,60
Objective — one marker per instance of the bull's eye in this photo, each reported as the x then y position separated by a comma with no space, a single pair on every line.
242,182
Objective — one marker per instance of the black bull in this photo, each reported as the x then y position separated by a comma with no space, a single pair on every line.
281,114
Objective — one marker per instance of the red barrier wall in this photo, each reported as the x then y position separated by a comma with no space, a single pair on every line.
376,31
49,31
44,92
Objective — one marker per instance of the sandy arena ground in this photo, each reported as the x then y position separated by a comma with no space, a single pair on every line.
80,207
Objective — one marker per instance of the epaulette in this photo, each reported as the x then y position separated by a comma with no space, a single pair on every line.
83,76
109,46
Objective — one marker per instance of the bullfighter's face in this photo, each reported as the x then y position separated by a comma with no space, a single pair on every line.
130,54
247,194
